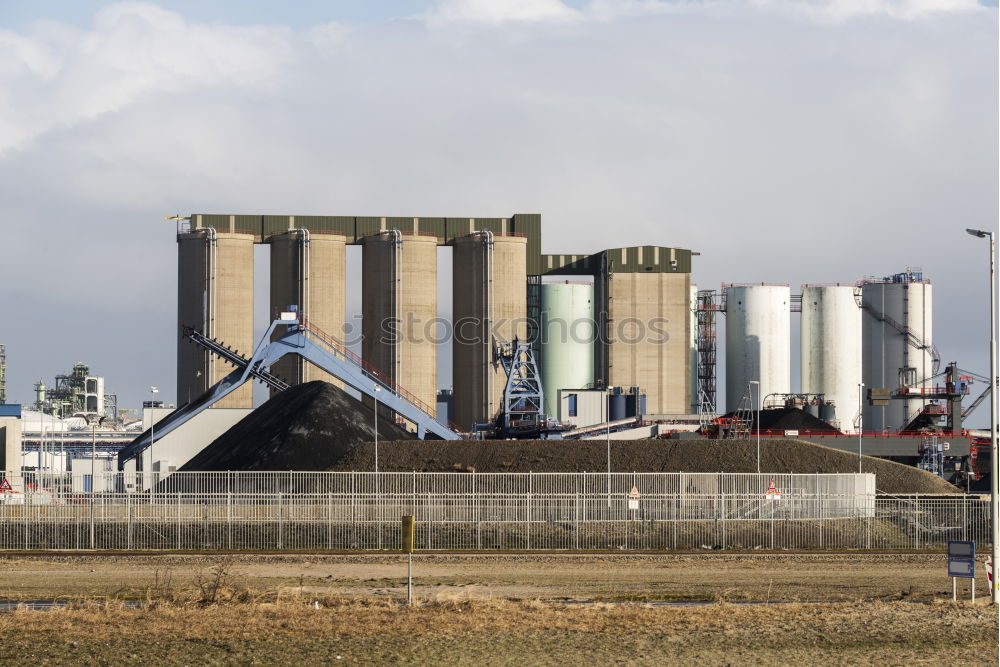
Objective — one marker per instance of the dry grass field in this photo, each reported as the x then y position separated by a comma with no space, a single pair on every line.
495,610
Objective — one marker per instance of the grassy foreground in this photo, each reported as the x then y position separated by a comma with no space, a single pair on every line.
275,631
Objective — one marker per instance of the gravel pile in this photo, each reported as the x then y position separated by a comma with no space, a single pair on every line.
317,426
779,419
308,427
777,456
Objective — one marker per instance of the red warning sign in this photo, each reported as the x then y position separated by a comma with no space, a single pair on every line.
989,571
5,485
772,491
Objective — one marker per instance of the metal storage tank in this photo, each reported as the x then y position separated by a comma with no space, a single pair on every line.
758,341
617,407
567,345
308,270
399,307
490,287
214,296
897,344
830,348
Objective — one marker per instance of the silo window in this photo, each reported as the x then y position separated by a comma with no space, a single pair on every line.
571,405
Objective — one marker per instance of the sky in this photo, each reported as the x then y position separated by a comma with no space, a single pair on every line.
790,142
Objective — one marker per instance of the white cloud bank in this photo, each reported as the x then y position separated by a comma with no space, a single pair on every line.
788,142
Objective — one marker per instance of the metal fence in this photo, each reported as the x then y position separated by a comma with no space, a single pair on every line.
488,512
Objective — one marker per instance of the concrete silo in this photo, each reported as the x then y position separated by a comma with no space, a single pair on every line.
758,341
215,297
308,270
567,345
489,287
398,305
644,319
898,347
830,348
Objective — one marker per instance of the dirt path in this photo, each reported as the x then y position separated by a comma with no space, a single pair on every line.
798,577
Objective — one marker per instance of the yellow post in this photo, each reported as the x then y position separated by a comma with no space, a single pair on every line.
408,526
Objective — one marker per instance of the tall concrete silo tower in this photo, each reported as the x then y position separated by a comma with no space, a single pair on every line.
308,271
758,341
644,317
898,345
830,348
215,297
398,300
489,287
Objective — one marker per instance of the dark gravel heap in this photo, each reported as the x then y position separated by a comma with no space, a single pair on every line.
777,456
308,427
779,419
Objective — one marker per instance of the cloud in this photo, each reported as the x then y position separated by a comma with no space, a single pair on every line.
495,12
784,145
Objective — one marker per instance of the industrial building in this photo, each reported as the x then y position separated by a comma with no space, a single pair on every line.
629,309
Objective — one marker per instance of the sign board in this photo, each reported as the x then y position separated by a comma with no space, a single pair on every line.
633,499
962,559
408,525
879,396
989,571
772,492
961,568
5,485
791,431
961,549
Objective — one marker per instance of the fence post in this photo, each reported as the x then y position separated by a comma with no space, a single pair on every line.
229,520
178,519
92,536
965,517
576,521
329,520
916,520
280,525
530,478
128,520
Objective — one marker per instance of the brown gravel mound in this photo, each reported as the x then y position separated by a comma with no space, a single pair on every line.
777,456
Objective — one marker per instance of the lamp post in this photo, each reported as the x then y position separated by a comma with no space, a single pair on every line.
375,394
760,407
152,433
861,419
994,463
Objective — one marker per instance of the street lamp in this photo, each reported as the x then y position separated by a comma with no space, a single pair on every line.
760,407
375,394
153,391
861,420
994,463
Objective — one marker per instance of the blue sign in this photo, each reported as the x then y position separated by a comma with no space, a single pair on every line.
962,559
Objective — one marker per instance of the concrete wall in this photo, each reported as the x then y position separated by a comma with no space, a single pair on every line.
646,318
590,406
215,296
489,289
10,443
180,445
308,270
399,305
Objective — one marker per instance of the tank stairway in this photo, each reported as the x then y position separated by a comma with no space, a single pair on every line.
318,348
907,334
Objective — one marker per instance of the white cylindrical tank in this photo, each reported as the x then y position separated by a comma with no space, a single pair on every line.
758,341
830,348
897,340
567,345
